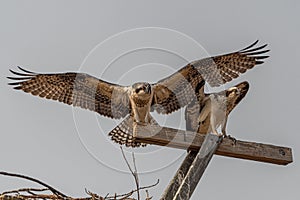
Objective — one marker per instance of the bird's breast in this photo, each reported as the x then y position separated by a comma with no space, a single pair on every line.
139,102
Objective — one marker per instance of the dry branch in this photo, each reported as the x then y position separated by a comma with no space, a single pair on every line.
134,173
48,187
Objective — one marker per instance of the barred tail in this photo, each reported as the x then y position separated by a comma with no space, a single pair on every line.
123,133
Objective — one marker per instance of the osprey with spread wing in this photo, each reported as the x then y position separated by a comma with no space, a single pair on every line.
137,101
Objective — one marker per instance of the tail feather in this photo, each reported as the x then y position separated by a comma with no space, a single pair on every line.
123,134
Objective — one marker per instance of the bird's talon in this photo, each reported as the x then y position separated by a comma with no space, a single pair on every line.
231,138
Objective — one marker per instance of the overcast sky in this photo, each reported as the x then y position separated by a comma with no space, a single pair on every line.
69,148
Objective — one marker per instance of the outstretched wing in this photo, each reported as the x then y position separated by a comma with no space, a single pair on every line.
179,89
221,69
75,89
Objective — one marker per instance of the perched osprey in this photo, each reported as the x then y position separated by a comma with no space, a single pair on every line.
135,102
213,109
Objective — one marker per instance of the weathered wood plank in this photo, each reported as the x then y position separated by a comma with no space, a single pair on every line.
196,170
175,183
189,174
189,140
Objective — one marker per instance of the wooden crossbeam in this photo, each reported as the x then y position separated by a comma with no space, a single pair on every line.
174,138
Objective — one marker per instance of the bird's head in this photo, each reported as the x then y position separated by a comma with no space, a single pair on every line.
238,92
141,88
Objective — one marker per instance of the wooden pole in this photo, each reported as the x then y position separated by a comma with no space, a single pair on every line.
198,167
175,183
190,172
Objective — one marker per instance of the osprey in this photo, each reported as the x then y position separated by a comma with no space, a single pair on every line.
135,102
213,109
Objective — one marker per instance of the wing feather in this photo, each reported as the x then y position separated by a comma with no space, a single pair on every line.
77,89
231,65
179,89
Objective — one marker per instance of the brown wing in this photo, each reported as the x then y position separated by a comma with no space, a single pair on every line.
179,89
192,112
221,69
75,89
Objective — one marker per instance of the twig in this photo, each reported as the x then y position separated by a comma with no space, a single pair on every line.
148,196
126,161
54,191
150,186
94,195
131,192
25,190
134,173
136,177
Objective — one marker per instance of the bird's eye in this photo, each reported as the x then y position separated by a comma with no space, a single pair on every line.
137,90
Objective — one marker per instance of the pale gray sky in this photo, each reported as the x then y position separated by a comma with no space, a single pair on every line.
70,150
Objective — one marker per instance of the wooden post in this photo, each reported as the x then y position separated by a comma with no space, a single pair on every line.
186,179
198,167
175,183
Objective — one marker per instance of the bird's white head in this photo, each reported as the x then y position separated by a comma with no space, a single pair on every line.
141,88
238,91
141,95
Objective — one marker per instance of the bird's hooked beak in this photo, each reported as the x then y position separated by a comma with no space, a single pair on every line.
238,91
148,89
